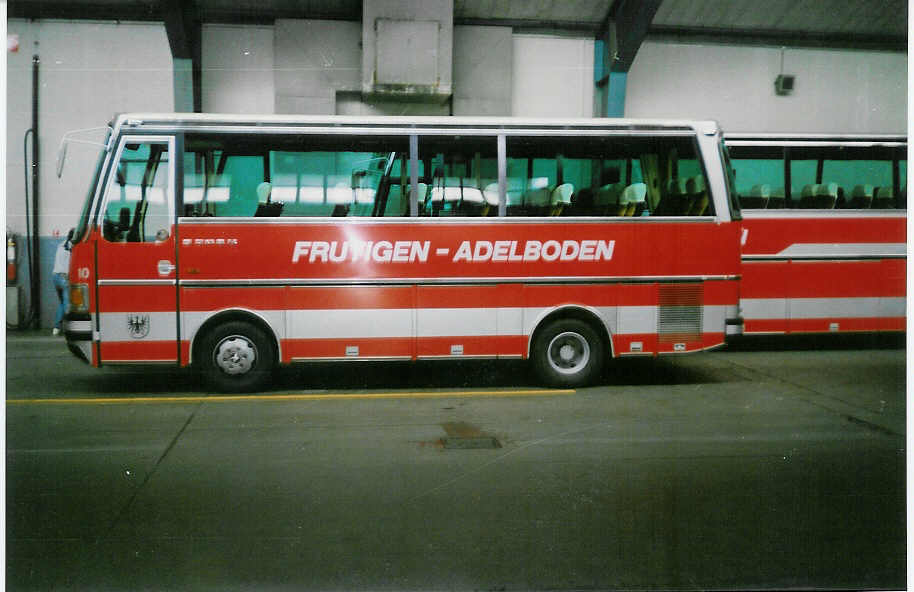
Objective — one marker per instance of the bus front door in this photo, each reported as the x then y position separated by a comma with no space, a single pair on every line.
137,278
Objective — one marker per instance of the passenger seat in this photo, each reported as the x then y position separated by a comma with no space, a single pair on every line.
628,201
675,202
861,198
884,198
560,198
826,196
777,201
757,198
607,199
698,196
808,196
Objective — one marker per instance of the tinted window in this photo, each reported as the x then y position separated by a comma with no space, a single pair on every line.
458,176
605,176
228,176
137,202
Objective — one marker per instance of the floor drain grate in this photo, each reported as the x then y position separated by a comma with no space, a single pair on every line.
465,436
458,443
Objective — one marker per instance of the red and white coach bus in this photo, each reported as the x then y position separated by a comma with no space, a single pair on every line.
824,232
236,243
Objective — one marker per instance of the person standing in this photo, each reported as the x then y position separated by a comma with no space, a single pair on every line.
61,280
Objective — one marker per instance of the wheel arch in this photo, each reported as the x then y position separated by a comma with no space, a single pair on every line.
235,314
579,312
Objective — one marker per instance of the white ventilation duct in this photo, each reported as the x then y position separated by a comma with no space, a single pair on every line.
407,49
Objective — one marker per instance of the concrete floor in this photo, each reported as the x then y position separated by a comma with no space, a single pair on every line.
778,464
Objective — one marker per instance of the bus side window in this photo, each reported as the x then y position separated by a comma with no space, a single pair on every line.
138,195
634,176
295,175
858,179
458,176
759,181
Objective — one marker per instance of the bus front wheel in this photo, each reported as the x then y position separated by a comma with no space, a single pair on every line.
236,356
567,353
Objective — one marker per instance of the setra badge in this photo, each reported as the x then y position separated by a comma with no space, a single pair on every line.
138,325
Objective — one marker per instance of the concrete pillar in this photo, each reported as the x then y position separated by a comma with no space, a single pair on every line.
183,85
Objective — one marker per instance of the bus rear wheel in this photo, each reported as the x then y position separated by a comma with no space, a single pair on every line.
236,356
568,353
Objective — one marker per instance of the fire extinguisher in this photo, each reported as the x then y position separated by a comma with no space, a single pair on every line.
12,255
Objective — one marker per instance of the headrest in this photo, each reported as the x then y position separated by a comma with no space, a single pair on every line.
809,190
562,194
695,184
827,189
634,193
676,187
490,193
862,191
760,191
263,191
886,191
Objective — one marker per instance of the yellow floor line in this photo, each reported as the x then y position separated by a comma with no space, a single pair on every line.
290,397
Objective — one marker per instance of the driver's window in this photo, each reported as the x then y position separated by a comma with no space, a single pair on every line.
137,201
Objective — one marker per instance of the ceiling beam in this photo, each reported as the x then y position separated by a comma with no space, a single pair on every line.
779,38
63,10
624,28
153,10
532,25
182,26
185,37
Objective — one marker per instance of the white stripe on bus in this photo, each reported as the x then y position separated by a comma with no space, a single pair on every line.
406,323
825,250
822,308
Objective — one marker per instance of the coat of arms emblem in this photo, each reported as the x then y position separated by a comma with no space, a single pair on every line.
138,325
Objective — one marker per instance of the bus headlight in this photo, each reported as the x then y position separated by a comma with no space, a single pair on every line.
79,298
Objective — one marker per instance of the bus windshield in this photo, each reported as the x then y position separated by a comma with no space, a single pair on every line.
83,223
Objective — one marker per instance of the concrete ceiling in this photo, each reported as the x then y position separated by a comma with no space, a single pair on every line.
880,24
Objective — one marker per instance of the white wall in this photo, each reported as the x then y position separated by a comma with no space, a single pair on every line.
483,64
237,69
313,60
848,91
300,66
89,72
552,77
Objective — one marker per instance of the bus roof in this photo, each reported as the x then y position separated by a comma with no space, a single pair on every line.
192,120
793,137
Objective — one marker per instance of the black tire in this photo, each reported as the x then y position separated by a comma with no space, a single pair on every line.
235,357
568,353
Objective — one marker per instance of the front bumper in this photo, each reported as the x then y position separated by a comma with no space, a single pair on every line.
78,332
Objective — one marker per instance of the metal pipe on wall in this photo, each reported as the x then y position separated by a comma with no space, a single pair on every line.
35,296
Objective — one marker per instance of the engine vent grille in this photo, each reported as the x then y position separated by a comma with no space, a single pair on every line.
680,313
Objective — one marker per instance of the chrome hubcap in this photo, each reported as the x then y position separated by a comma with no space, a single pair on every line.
235,355
568,352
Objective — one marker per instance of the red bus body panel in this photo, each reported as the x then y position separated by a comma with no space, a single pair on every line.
341,289
805,272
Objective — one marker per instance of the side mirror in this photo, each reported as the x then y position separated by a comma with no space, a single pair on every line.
61,157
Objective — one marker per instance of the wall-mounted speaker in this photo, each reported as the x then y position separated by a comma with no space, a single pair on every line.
783,84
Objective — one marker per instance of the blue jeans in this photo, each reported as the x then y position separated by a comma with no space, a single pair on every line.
63,294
